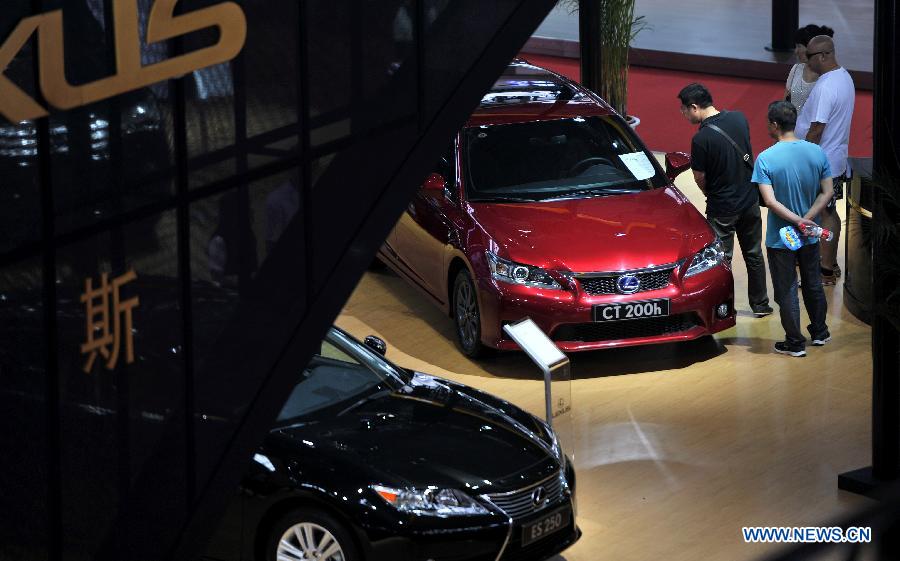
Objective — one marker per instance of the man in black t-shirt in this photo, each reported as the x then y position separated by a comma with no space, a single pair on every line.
723,175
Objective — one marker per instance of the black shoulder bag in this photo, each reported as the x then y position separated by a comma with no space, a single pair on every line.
745,157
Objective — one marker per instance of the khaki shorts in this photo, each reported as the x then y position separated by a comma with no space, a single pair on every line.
839,183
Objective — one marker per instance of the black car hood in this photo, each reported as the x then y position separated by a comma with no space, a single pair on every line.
430,432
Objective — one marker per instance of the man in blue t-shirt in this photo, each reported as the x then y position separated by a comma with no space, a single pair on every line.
794,181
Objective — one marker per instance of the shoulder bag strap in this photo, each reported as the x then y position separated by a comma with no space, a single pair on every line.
744,156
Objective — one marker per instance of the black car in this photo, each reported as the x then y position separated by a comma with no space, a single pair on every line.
370,461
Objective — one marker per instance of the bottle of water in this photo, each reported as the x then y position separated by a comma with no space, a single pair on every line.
819,232
794,240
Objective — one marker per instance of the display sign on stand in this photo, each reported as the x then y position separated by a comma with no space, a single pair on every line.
557,377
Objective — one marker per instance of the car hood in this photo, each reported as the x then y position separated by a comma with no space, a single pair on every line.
428,433
612,233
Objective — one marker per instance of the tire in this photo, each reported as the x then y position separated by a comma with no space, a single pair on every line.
306,529
467,316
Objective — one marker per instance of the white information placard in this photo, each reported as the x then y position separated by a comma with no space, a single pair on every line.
638,164
535,343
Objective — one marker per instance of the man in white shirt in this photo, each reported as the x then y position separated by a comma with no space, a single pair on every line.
825,120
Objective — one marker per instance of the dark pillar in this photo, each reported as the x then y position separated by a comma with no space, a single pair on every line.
885,338
885,317
589,39
785,21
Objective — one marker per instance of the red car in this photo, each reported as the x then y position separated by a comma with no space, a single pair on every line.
547,205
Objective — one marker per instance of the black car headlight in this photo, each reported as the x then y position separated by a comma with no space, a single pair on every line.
707,258
517,273
430,501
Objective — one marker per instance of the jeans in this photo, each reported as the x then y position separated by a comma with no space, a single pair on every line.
784,284
748,227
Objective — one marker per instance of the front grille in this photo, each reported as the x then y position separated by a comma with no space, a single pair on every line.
606,283
629,329
519,503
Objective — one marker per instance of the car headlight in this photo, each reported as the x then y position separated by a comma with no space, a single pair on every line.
430,501
516,273
707,258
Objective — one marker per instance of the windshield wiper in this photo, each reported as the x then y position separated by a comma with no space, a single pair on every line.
362,401
503,199
593,192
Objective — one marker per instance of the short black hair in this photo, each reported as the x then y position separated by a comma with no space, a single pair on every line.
695,94
783,114
803,35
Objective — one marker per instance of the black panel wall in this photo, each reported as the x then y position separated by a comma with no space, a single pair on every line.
230,212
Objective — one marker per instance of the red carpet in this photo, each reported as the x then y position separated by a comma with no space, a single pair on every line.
652,97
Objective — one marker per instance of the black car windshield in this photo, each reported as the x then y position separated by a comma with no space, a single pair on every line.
343,373
562,158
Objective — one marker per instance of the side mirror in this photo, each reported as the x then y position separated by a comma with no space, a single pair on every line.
435,182
377,344
676,163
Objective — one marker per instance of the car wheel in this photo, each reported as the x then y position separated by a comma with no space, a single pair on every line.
310,535
466,315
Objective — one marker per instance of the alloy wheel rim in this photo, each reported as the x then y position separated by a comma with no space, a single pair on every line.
308,542
466,313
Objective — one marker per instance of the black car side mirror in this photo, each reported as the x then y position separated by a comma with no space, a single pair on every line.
377,344
676,163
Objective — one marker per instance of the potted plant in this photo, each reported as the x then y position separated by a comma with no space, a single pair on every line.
607,28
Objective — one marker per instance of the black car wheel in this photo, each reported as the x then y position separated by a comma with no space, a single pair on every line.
310,535
466,315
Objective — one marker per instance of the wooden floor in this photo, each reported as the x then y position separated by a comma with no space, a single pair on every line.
676,446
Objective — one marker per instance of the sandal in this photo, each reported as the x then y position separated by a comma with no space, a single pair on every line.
829,278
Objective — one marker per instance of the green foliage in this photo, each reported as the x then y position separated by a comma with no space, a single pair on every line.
618,28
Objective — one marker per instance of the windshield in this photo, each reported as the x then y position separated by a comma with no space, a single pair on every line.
343,373
563,158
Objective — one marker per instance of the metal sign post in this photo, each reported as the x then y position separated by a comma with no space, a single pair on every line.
557,376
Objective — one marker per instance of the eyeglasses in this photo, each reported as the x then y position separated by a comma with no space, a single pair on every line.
810,55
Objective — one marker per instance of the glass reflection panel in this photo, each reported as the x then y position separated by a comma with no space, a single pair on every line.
328,47
232,235
113,155
24,475
20,190
121,376
271,68
442,21
210,131
388,64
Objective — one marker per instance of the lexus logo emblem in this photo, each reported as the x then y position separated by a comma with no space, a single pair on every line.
538,497
628,284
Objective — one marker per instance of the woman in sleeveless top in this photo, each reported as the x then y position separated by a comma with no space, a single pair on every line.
801,78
